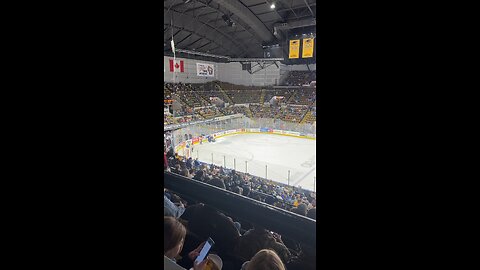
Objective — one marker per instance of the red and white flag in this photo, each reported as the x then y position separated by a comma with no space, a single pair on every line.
176,66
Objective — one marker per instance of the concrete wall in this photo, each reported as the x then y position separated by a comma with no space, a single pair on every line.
231,73
190,74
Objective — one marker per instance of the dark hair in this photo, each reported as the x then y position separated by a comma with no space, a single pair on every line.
237,190
199,175
173,233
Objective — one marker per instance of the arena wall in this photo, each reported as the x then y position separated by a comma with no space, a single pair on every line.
230,72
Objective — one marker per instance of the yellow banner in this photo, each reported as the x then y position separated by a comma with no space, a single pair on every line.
307,48
294,48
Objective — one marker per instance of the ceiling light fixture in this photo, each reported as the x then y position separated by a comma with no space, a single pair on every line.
272,6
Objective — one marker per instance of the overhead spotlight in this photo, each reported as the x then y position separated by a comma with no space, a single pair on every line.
272,6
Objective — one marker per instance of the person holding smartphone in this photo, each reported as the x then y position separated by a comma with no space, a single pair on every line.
174,234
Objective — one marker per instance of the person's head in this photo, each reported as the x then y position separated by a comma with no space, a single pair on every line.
265,259
199,174
174,234
237,190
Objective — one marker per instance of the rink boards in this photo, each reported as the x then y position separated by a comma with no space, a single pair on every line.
196,140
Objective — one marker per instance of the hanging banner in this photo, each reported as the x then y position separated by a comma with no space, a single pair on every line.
294,49
307,48
205,70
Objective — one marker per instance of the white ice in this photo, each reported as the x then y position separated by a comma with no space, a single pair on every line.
267,155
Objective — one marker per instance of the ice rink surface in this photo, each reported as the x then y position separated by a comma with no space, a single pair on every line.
279,154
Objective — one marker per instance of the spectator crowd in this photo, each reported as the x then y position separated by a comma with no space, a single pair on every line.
238,244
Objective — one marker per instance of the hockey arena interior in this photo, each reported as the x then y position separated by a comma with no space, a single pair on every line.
240,120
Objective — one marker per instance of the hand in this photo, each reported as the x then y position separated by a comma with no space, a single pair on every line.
194,254
200,266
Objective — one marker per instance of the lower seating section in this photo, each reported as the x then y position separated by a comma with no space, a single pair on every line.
303,97
244,96
168,119
286,93
310,117
234,110
187,93
286,113
264,111
293,113
241,226
209,112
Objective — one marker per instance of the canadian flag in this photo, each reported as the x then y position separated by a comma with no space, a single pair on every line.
176,66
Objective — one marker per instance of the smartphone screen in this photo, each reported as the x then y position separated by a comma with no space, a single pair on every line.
206,248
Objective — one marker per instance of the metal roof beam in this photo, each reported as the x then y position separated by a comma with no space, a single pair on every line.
205,37
246,15
229,38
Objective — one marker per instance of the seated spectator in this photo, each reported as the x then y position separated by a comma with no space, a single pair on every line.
265,259
171,209
217,182
237,190
301,209
219,227
199,175
174,234
270,199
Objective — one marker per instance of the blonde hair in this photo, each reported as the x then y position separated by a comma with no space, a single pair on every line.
265,259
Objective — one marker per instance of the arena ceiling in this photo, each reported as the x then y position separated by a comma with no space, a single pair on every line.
235,28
